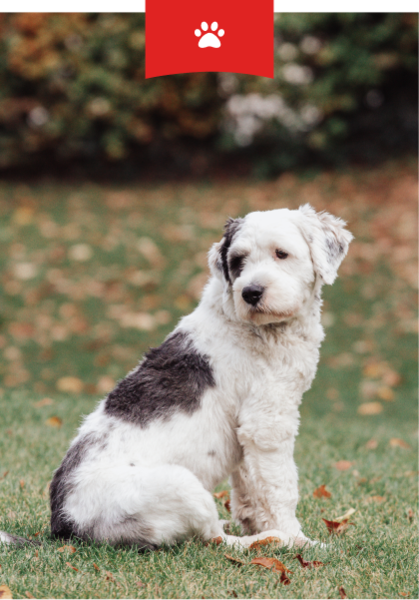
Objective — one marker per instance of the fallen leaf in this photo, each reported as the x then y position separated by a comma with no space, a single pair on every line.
370,408
29,595
398,443
348,513
308,564
227,505
43,402
5,473
217,540
70,385
342,593
109,576
150,251
337,527
80,252
233,593
322,492
410,514
222,494
71,566
70,549
391,378
234,560
265,542
285,579
5,592
140,584
105,384
376,499
272,564
371,444
385,393
96,567
54,422
343,465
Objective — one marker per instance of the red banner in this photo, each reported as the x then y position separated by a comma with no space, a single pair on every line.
186,36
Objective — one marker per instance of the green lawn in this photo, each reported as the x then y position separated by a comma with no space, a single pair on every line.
92,276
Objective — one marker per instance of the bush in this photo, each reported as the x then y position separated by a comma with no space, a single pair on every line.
347,85
72,88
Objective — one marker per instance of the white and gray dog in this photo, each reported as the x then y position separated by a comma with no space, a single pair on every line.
218,398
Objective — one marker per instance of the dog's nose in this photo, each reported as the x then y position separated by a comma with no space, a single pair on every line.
252,294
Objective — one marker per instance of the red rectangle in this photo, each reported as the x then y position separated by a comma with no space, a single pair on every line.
186,36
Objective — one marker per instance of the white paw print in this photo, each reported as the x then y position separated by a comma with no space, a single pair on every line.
209,39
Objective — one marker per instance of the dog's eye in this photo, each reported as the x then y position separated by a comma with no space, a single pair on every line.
281,254
237,264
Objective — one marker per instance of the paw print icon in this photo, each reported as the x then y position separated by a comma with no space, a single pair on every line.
209,39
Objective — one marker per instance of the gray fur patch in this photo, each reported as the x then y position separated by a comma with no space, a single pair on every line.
231,228
16,540
129,530
172,377
334,249
61,486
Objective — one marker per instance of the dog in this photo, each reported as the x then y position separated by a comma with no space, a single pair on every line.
220,397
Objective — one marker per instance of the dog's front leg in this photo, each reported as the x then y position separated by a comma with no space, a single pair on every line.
265,484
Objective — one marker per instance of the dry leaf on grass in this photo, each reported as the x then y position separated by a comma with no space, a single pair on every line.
29,595
337,527
398,443
109,576
346,515
96,567
43,402
222,494
217,540
54,422
371,444
273,565
342,593
343,465
322,492
385,393
410,514
308,564
265,542
70,385
236,561
71,566
69,549
378,499
5,593
370,408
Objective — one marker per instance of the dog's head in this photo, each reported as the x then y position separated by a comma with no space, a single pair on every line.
270,261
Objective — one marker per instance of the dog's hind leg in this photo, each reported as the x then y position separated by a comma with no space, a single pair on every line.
132,504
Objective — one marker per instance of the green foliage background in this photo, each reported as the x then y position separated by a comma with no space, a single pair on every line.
72,88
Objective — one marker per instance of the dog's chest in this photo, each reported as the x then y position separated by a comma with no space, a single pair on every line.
284,364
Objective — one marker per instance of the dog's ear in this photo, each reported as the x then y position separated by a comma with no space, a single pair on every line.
217,256
328,241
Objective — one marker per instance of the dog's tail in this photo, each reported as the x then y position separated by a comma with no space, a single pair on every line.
8,538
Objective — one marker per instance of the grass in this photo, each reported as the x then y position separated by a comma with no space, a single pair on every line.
62,316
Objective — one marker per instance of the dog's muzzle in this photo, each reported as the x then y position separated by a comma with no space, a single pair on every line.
252,294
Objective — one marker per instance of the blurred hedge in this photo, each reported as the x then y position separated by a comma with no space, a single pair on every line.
72,88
